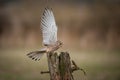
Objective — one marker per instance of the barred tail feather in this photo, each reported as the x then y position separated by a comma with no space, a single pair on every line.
36,55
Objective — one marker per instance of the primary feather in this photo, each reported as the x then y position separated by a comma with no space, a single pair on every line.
48,27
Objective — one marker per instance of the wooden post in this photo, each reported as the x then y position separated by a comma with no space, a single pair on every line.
53,64
65,66
60,67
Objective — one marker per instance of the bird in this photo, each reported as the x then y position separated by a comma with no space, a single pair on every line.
49,34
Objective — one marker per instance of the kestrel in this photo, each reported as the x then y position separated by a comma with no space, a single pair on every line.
49,33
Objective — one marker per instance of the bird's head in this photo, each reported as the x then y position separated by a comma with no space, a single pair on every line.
59,43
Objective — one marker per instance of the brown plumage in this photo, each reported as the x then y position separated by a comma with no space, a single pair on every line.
36,55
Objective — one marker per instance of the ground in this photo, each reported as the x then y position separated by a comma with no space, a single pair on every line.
99,65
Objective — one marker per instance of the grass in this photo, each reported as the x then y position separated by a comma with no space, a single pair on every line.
15,65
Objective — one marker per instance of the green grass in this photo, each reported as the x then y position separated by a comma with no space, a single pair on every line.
15,65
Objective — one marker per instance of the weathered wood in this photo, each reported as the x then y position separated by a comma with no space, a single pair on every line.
75,67
65,66
53,64
43,72
60,67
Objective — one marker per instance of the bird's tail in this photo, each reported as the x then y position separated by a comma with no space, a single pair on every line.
36,55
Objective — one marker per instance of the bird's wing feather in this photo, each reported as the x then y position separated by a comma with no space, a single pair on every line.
48,27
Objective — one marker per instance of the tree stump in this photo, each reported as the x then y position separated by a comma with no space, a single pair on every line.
60,66
65,66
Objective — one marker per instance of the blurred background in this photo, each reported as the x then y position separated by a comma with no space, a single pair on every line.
89,29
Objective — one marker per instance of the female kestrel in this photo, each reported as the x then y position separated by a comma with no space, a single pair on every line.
49,32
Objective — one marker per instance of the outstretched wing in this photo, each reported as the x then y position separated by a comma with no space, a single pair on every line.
48,27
